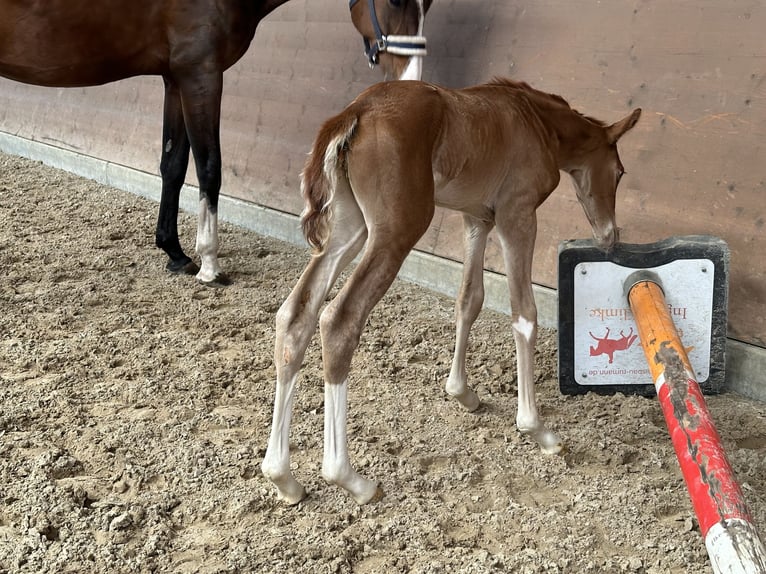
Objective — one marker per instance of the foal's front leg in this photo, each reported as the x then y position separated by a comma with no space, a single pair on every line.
467,307
518,240
528,420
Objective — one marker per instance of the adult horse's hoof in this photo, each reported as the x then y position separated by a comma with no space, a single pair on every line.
219,281
187,267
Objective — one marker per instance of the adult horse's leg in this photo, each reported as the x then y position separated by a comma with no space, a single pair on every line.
468,305
517,236
173,165
201,98
296,323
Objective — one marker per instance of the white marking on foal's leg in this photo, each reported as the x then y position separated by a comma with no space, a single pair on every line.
336,468
207,243
276,462
525,328
527,418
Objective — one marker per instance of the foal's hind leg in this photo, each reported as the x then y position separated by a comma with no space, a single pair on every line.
341,327
296,323
173,165
468,306
395,226
518,240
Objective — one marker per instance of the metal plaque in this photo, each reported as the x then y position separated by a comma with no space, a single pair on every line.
599,346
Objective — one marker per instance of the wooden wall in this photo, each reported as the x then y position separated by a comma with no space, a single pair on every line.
696,162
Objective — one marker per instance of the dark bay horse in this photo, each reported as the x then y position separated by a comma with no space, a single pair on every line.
72,43
493,152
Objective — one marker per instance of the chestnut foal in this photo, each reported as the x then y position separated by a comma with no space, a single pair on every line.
376,171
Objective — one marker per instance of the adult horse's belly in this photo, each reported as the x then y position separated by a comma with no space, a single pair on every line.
69,43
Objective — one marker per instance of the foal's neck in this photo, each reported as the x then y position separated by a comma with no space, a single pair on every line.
576,135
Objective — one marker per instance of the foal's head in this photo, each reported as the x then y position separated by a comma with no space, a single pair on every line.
596,169
395,18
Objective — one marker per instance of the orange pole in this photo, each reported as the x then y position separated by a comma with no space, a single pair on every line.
656,330
731,539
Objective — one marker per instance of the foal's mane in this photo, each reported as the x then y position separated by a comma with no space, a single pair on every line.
545,98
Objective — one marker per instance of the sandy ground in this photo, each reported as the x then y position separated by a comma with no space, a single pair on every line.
135,407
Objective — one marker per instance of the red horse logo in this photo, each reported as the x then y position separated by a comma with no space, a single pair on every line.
607,346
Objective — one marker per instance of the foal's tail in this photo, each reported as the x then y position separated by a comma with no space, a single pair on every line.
319,180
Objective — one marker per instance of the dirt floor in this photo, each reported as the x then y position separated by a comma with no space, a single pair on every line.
135,407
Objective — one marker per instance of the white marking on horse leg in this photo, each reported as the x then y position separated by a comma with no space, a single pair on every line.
295,324
207,243
525,328
276,462
527,418
336,468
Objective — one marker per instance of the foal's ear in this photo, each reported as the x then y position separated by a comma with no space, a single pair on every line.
617,129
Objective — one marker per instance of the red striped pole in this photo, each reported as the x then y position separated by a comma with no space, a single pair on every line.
731,539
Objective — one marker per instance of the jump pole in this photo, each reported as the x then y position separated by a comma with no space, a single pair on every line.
731,539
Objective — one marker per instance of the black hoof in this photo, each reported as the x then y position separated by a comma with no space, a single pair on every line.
221,280
187,267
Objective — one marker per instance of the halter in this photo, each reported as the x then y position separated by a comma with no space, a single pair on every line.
393,44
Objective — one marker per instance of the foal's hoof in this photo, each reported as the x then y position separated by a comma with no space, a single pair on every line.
187,267
556,448
292,498
219,281
376,496
549,442
469,400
